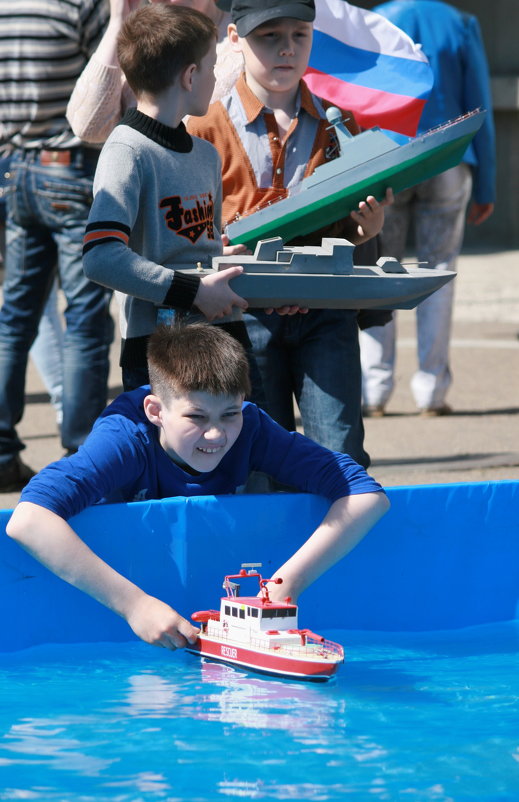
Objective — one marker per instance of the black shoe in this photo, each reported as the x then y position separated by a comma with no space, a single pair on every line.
15,476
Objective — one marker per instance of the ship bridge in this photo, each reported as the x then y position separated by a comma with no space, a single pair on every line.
253,613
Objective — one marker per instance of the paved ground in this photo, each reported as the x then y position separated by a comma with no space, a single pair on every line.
479,442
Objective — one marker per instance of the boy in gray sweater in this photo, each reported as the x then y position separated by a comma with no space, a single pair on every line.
157,190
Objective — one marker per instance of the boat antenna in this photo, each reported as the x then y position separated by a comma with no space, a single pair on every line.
336,120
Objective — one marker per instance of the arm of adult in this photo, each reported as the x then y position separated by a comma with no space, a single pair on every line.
50,539
477,93
347,521
101,94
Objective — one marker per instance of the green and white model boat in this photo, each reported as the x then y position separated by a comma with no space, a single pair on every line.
368,164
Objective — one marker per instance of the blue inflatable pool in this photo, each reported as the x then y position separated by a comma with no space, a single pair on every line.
444,557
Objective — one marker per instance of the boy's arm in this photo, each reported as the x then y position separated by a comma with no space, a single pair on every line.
109,260
50,539
347,521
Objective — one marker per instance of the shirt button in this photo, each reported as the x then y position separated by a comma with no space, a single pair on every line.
279,171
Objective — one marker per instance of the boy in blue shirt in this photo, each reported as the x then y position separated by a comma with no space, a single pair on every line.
188,434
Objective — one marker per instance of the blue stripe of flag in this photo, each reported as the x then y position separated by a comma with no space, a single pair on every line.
374,70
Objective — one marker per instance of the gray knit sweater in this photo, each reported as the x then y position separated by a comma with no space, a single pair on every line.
157,208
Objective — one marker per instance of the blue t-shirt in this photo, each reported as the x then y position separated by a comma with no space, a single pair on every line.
122,460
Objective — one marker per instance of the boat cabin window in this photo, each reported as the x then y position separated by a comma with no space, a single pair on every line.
227,610
234,612
254,612
285,612
242,613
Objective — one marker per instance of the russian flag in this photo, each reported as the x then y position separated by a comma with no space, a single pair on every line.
361,61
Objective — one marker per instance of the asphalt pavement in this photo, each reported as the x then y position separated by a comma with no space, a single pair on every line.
478,442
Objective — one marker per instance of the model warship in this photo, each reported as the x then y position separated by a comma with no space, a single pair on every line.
324,277
368,164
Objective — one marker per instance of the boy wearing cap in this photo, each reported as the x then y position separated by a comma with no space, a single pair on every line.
271,132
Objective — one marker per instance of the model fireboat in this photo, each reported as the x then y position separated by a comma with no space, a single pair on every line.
258,634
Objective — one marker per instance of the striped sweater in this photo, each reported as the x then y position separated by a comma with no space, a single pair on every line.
44,46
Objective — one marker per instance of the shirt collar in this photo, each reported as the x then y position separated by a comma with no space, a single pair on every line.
253,107
176,139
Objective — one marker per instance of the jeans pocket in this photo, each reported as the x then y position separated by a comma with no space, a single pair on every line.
62,200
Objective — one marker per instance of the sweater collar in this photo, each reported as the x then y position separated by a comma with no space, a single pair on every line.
253,107
173,138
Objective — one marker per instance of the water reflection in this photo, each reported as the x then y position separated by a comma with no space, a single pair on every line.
265,703
230,696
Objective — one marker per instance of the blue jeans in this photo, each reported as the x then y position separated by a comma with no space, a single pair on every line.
314,358
47,210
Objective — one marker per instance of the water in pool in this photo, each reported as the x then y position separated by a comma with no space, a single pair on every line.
422,716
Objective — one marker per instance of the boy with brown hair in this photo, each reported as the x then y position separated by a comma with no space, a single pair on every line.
189,434
271,132
157,190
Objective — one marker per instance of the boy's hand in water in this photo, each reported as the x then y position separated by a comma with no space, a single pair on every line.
160,625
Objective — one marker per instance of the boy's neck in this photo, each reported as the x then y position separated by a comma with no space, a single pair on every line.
284,102
163,109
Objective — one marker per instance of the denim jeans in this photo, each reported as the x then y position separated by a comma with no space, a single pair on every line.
437,209
314,358
47,210
47,349
47,352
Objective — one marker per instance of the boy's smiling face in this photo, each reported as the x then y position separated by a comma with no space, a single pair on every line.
197,429
276,53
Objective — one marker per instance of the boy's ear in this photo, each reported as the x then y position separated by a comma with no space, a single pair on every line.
153,409
186,77
234,38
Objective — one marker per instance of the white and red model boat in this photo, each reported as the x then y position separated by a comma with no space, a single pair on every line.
256,633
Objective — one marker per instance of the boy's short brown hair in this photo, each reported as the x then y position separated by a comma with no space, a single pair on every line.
157,42
196,357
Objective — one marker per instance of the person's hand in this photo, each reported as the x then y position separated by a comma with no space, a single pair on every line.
214,298
160,625
479,212
370,215
287,310
233,250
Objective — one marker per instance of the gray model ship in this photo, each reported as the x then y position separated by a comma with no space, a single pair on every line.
368,164
324,277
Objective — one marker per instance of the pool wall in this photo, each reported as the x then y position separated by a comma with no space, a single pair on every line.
444,557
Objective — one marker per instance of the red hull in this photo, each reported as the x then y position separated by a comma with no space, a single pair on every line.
269,663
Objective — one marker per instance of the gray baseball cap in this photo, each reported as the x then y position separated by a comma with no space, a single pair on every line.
249,14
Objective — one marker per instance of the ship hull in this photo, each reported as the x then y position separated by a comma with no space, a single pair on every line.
265,661
325,291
